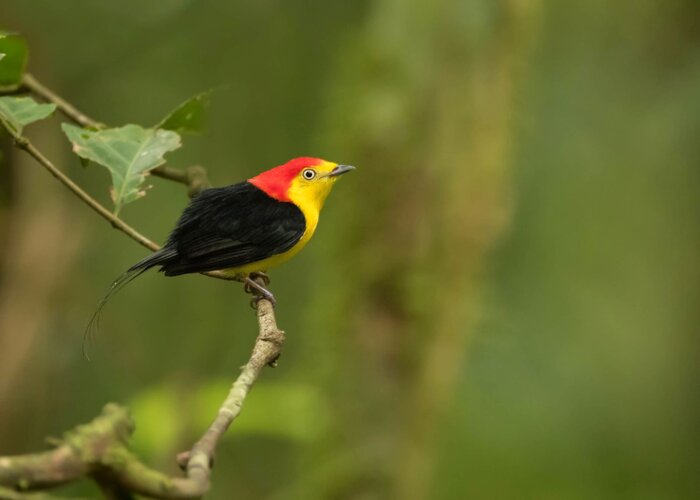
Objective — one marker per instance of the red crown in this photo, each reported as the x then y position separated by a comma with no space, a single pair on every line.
275,182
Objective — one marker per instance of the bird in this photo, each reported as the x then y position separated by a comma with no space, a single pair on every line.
243,229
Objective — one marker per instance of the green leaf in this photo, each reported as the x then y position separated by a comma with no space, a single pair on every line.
188,116
14,61
16,112
128,152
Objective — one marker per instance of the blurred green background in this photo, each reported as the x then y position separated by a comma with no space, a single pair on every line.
503,301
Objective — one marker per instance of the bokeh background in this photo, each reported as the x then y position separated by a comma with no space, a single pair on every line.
501,302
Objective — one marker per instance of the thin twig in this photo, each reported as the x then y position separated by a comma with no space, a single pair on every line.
171,174
194,177
36,87
24,144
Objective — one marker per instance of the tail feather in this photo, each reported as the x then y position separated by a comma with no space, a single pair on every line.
160,257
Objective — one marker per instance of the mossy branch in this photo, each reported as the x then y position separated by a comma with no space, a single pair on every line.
99,449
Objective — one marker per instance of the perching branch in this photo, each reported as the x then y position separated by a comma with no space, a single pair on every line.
268,346
99,450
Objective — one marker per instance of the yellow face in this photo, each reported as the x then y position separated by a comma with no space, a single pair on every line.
308,190
312,185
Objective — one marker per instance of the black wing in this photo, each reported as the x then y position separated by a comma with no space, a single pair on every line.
229,227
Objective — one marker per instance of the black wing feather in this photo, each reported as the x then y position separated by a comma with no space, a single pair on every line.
221,228
230,227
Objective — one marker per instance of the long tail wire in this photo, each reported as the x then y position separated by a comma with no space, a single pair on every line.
94,323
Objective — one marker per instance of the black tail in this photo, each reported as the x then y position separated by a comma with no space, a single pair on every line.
160,257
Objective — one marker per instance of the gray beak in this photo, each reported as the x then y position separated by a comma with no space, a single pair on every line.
340,170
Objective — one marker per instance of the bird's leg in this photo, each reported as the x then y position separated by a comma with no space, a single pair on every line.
258,290
252,277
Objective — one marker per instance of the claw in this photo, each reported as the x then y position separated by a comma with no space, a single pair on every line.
259,292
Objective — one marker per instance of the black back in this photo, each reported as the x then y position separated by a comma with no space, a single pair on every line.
229,227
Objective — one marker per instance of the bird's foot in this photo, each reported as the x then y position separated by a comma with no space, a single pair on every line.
262,275
259,292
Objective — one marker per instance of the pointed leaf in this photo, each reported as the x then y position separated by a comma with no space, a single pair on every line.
128,152
188,116
16,112
14,61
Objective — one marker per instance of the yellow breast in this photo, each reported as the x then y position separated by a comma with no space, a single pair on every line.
270,262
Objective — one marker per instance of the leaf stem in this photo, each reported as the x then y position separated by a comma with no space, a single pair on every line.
24,144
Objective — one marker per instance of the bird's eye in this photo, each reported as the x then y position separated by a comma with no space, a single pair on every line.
309,174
